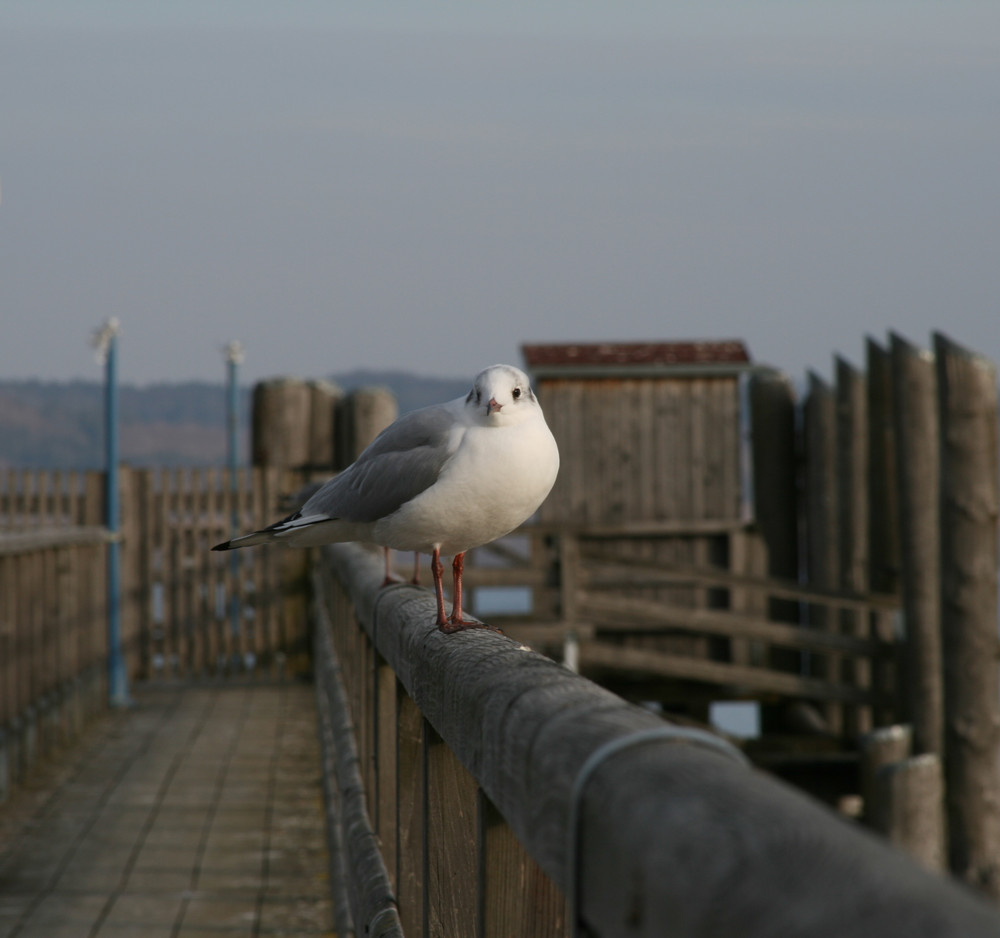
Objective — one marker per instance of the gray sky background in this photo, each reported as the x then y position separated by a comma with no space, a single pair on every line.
426,186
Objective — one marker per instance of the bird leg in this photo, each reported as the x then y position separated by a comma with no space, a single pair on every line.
457,567
455,622
391,577
437,570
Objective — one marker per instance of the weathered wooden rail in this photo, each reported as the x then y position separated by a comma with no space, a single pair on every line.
503,786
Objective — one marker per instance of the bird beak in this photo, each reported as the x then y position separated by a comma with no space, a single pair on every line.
493,407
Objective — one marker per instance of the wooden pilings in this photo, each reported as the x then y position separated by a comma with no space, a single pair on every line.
970,475
281,423
902,490
313,425
362,415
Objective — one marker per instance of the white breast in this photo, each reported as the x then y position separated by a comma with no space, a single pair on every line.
496,480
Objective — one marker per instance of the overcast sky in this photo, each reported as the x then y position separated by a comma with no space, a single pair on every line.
426,186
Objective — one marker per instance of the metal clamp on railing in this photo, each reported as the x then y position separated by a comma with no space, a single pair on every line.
670,733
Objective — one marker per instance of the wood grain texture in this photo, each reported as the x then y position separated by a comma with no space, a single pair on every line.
410,812
452,842
516,897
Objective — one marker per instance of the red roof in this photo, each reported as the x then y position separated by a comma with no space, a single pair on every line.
637,353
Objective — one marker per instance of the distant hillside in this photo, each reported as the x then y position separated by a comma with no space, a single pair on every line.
59,425
412,391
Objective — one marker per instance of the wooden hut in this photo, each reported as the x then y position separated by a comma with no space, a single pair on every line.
650,433
658,470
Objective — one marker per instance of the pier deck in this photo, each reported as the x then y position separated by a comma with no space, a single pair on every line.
199,812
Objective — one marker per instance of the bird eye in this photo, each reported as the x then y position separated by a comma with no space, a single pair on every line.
517,393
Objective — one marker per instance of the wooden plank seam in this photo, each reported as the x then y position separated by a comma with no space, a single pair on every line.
673,734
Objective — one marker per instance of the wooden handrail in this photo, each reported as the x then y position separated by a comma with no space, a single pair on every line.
672,838
22,542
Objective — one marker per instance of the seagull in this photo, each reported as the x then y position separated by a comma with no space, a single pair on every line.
439,480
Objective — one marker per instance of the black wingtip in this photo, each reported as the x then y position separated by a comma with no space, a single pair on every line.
223,546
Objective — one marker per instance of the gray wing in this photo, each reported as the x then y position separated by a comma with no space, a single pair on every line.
401,462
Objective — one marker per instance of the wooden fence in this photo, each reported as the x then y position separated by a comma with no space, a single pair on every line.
53,642
511,796
632,620
186,612
901,488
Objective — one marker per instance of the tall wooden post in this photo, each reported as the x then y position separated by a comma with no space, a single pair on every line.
281,425
776,509
324,396
883,493
883,525
915,420
822,522
852,507
967,396
772,417
281,418
362,415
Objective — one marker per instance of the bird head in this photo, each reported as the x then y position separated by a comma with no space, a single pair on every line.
501,395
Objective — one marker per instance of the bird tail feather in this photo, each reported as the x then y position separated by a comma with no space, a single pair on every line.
278,531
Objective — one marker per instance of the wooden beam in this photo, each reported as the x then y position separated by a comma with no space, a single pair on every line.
504,576
639,529
611,572
23,542
644,662
627,613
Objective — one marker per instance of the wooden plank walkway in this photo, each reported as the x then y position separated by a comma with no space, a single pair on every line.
198,812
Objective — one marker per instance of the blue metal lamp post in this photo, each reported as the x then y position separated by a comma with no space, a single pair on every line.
234,357
106,343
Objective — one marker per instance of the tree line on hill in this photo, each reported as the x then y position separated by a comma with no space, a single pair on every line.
60,425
